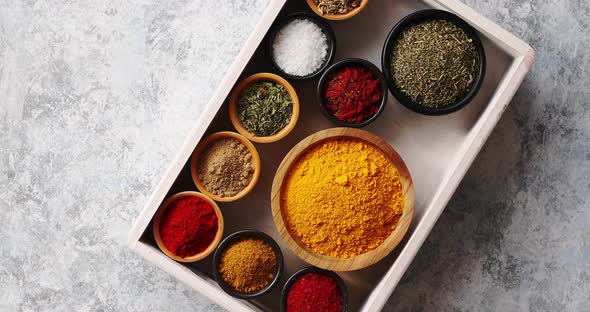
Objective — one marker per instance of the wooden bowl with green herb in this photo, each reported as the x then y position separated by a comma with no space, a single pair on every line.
264,108
434,62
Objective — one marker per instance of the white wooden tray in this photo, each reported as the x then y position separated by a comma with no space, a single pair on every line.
437,150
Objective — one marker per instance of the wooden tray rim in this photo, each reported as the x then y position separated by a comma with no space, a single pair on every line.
523,58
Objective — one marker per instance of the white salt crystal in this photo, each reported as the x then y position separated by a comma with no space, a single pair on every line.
300,47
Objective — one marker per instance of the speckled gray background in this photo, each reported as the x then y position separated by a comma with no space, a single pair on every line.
96,97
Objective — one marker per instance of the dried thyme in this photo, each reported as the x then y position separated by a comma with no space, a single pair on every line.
264,108
434,63
337,6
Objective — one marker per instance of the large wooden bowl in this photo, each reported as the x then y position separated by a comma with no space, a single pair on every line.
362,260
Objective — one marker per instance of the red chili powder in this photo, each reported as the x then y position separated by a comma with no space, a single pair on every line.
314,292
188,226
353,94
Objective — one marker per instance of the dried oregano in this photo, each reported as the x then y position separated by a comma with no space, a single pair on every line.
337,6
434,63
264,108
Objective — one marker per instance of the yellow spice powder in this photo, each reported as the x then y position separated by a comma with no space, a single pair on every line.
248,265
342,198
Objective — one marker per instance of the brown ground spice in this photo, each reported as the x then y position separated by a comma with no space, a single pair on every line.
226,167
249,265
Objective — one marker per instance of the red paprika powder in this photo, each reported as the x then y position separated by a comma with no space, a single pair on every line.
314,292
188,226
353,94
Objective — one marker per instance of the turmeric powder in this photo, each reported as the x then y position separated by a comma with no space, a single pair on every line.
342,198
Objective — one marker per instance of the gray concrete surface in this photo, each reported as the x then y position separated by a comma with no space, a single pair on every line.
96,96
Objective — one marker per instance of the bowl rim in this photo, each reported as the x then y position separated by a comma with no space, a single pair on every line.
160,212
337,17
233,103
312,269
362,260
326,29
201,148
231,239
418,17
342,63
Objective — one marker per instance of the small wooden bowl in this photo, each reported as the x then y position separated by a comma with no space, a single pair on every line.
160,213
233,103
362,260
201,148
337,17
227,242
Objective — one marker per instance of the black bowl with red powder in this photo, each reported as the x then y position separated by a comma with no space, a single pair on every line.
352,93
314,289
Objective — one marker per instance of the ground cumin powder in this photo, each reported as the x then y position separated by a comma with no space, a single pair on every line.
342,198
225,167
248,265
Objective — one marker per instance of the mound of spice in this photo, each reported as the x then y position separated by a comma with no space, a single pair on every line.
337,6
264,108
188,226
353,94
434,63
314,292
300,48
342,198
248,265
225,167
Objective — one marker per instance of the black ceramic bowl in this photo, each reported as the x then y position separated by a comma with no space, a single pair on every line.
418,17
330,37
327,75
228,241
306,270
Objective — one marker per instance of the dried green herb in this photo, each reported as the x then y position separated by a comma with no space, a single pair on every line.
264,108
434,63
337,6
